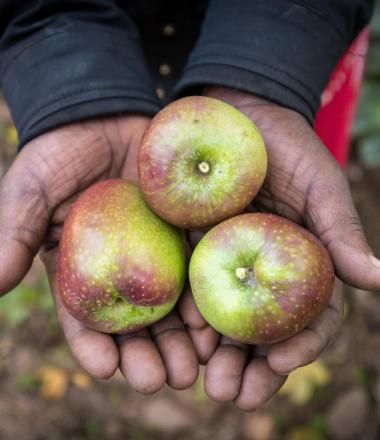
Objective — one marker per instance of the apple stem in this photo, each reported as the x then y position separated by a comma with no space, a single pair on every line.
204,167
242,273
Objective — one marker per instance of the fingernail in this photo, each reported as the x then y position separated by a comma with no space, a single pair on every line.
375,261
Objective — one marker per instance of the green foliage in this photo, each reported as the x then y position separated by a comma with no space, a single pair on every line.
369,150
373,62
368,117
27,382
303,382
367,125
92,429
362,377
319,423
305,433
375,24
199,394
18,305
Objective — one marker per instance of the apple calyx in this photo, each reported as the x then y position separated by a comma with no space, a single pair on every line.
242,273
245,275
204,167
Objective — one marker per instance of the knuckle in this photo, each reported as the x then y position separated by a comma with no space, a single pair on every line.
162,334
332,325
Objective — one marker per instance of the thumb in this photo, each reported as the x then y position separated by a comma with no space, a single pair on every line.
23,220
331,214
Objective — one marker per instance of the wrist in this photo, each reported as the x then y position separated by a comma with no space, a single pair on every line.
255,107
131,131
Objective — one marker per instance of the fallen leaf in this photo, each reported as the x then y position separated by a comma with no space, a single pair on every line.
301,383
166,415
304,433
81,380
198,390
54,382
11,136
258,426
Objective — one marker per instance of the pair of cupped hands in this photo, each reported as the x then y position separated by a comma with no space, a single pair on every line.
304,183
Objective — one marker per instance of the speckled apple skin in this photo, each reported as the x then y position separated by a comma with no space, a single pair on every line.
292,278
120,266
190,131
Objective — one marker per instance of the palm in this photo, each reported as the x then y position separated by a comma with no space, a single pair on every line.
45,179
287,185
290,155
304,184
77,156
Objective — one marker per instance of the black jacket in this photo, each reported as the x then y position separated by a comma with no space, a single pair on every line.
66,60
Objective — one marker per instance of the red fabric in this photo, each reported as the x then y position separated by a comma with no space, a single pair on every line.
340,98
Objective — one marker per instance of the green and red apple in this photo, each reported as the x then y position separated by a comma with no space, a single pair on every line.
201,161
260,278
120,266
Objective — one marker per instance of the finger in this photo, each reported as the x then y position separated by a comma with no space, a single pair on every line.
332,216
96,352
24,214
140,362
177,351
224,370
205,342
189,311
306,346
259,384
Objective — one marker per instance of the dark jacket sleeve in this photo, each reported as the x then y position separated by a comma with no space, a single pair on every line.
65,60
283,50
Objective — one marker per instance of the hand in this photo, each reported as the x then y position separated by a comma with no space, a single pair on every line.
35,196
305,184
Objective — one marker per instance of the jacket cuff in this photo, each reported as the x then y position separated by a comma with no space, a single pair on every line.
196,77
57,78
290,65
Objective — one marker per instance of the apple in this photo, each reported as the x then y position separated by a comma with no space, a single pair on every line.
201,161
259,278
120,266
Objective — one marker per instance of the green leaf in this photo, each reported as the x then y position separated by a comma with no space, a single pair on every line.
373,60
368,117
375,22
17,305
302,383
319,423
12,310
362,377
369,150
305,433
27,382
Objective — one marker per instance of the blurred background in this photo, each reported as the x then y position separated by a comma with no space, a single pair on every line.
45,395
